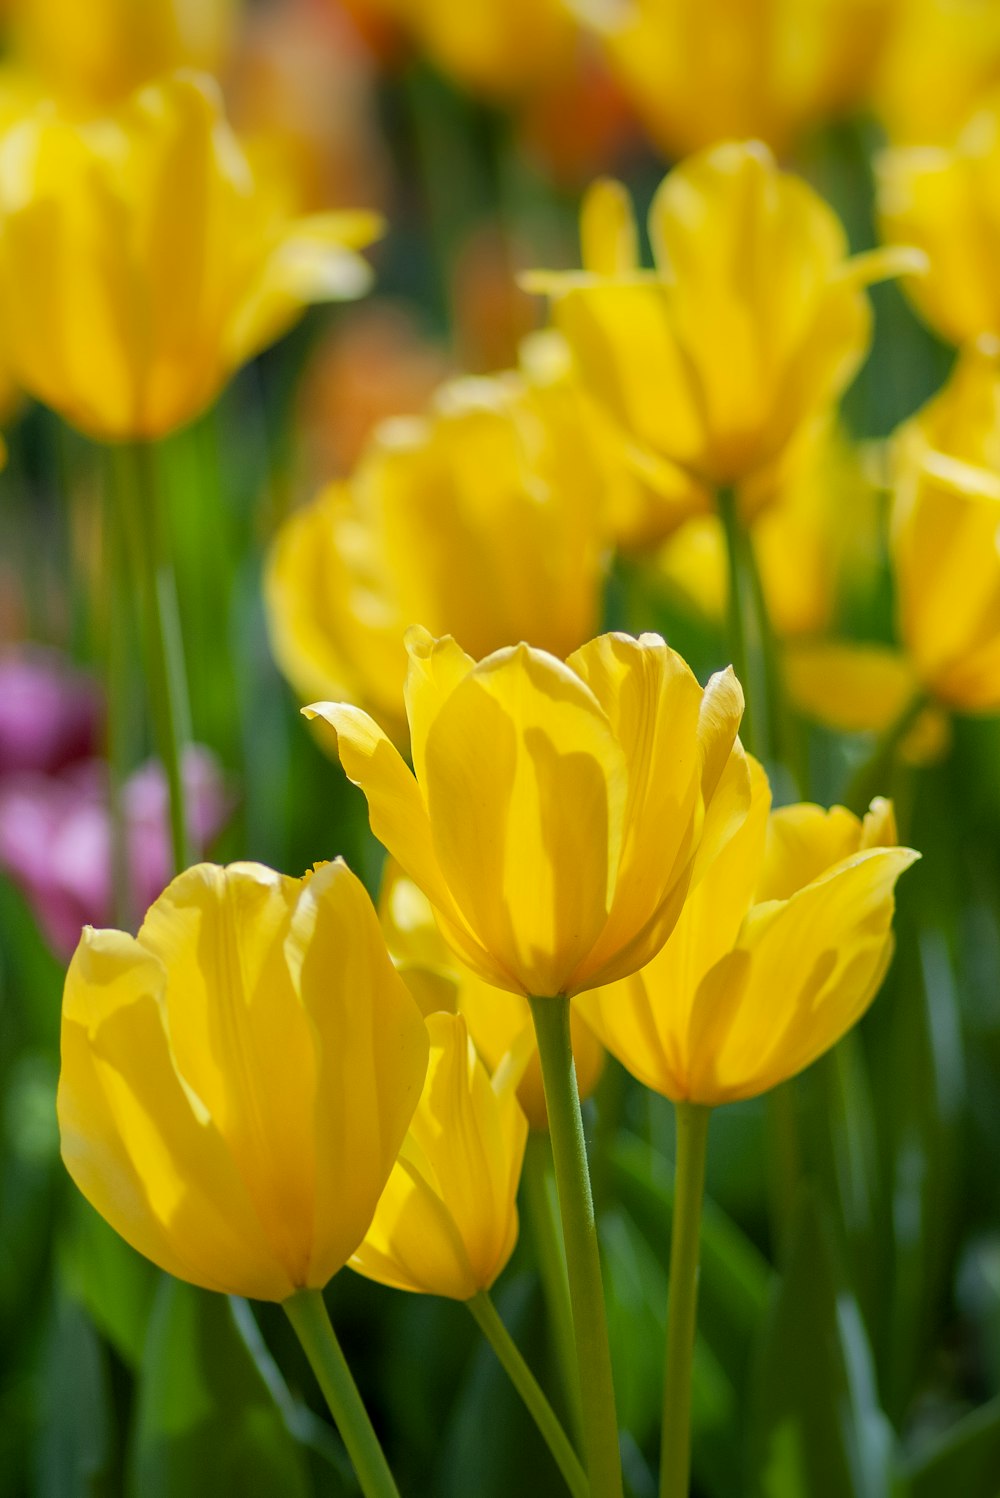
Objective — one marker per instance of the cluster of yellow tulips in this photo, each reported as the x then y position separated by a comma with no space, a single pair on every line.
276,1078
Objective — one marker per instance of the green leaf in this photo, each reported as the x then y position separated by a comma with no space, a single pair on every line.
816,1427
207,1422
77,1437
965,1461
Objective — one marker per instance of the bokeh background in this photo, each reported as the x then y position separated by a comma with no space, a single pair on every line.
871,1340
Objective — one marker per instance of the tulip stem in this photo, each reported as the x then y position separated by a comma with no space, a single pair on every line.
488,1320
583,1260
119,730
543,1211
682,1307
873,777
164,650
309,1317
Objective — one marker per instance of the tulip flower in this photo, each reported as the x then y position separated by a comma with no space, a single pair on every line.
942,57
124,314
699,71
752,324
945,552
945,539
482,521
555,818
778,952
945,199
237,1080
236,1083
499,1022
446,1223
494,47
555,810
92,55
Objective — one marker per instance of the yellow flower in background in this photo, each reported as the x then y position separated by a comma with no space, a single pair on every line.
495,47
556,810
941,58
447,1221
945,537
701,71
124,313
499,1022
237,1080
753,322
817,536
481,521
946,200
92,54
778,952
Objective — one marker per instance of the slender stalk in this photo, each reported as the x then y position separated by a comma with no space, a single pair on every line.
308,1314
682,1309
874,776
543,1215
740,624
485,1314
120,737
164,653
583,1260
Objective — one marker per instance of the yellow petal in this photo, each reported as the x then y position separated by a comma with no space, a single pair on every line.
653,703
853,688
608,233
526,788
803,973
435,669
447,1222
366,1087
138,1142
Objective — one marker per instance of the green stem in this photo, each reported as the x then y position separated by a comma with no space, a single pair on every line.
485,1314
784,1162
120,732
308,1314
874,776
164,652
740,625
550,1254
583,1260
682,1308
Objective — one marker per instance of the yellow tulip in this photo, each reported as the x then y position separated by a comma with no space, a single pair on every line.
495,47
446,1223
945,537
140,265
778,952
556,810
942,57
481,521
752,324
946,200
237,1080
499,1023
93,54
699,71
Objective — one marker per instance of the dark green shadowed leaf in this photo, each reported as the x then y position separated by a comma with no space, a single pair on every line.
77,1442
108,1277
207,1423
816,1429
964,1463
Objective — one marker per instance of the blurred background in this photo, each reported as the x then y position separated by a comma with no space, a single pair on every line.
873,1337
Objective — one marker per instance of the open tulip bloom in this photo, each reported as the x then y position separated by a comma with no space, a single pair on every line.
236,1083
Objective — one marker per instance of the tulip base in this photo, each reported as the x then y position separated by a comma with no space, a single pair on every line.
682,1307
308,1314
576,1207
